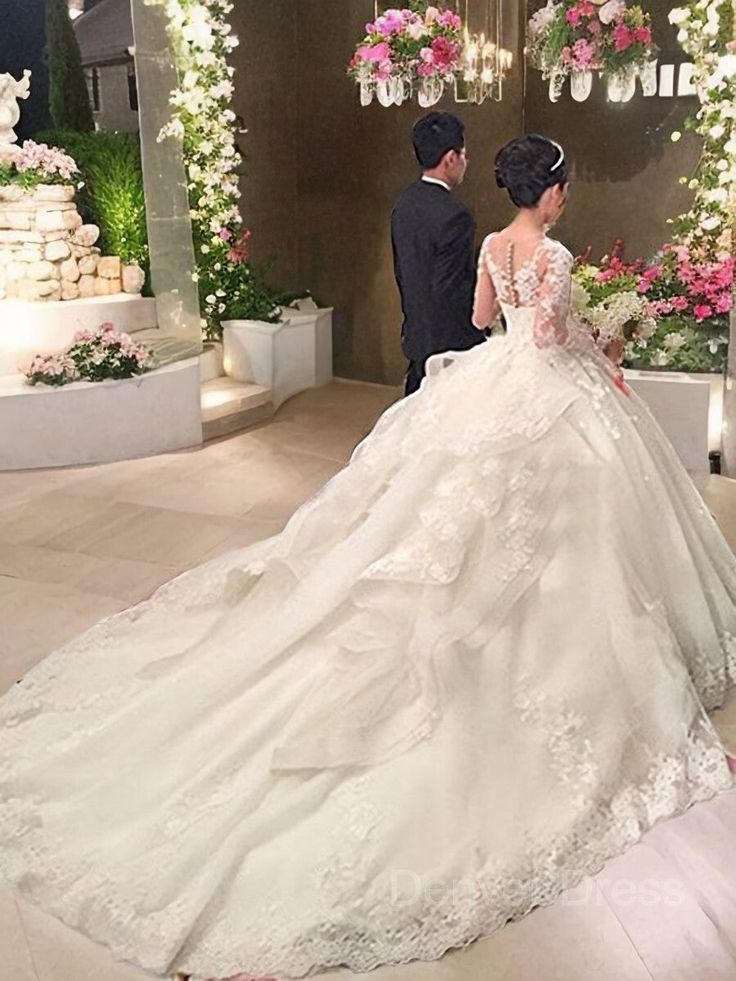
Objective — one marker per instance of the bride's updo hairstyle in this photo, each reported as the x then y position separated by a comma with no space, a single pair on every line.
528,166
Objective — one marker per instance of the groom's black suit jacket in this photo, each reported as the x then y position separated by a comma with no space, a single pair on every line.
433,238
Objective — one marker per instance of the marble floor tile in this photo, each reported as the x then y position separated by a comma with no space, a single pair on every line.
42,518
16,962
122,579
61,954
162,537
38,617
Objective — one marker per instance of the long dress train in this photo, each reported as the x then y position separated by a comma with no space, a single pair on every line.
471,669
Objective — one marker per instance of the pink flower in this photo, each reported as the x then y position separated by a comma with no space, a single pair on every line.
643,35
660,307
373,52
431,14
702,311
723,303
594,27
444,54
643,286
567,54
679,303
450,19
226,234
652,273
573,16
384,69
605,275
584,54
390,23
622,37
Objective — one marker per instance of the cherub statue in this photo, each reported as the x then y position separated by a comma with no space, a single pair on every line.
10,91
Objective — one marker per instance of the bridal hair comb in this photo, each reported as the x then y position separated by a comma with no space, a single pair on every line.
560,159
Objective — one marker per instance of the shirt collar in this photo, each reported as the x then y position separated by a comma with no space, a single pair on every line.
435,180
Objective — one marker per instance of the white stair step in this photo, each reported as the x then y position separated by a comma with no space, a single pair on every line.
229,406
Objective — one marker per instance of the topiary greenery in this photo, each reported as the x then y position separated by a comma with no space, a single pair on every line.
112,196
68,95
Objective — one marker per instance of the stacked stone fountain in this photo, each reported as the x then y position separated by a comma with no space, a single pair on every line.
47,253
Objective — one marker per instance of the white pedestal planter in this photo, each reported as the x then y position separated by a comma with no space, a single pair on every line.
688,407
287,358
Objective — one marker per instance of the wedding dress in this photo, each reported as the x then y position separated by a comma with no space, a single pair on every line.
470,670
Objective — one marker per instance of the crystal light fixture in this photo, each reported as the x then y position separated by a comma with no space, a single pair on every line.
484,69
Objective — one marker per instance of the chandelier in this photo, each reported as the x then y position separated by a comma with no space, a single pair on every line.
423,51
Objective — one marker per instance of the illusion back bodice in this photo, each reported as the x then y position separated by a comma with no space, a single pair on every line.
533,294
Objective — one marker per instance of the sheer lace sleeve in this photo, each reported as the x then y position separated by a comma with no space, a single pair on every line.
486,305
553,304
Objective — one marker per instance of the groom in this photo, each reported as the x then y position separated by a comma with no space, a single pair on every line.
433,237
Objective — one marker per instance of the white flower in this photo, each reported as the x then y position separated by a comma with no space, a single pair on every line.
717,131
718,195
679,15
611,10
675,341
660,359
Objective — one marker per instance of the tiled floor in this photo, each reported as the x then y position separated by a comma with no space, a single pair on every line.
79,544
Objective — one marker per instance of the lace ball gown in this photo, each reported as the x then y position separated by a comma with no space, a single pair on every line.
471,669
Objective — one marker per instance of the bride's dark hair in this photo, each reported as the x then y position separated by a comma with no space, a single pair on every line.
526,167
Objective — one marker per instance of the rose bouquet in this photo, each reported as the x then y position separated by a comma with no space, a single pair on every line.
421,43
607,300
37,163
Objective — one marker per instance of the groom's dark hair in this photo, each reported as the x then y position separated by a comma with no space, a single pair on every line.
434,135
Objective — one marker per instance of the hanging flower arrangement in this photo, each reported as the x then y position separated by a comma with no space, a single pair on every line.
706,33
417,48
574,38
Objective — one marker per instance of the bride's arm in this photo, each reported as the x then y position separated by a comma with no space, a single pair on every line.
485,305
553,305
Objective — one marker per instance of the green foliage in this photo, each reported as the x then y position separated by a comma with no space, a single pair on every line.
68,95
113,195
679,344
255,300
28,180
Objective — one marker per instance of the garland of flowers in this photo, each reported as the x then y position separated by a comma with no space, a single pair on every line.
706,33
202,119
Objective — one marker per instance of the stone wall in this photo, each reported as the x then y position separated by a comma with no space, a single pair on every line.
46,252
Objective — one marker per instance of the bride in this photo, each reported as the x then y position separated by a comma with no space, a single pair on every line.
473,668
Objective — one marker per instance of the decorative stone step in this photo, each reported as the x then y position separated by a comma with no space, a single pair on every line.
229,406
